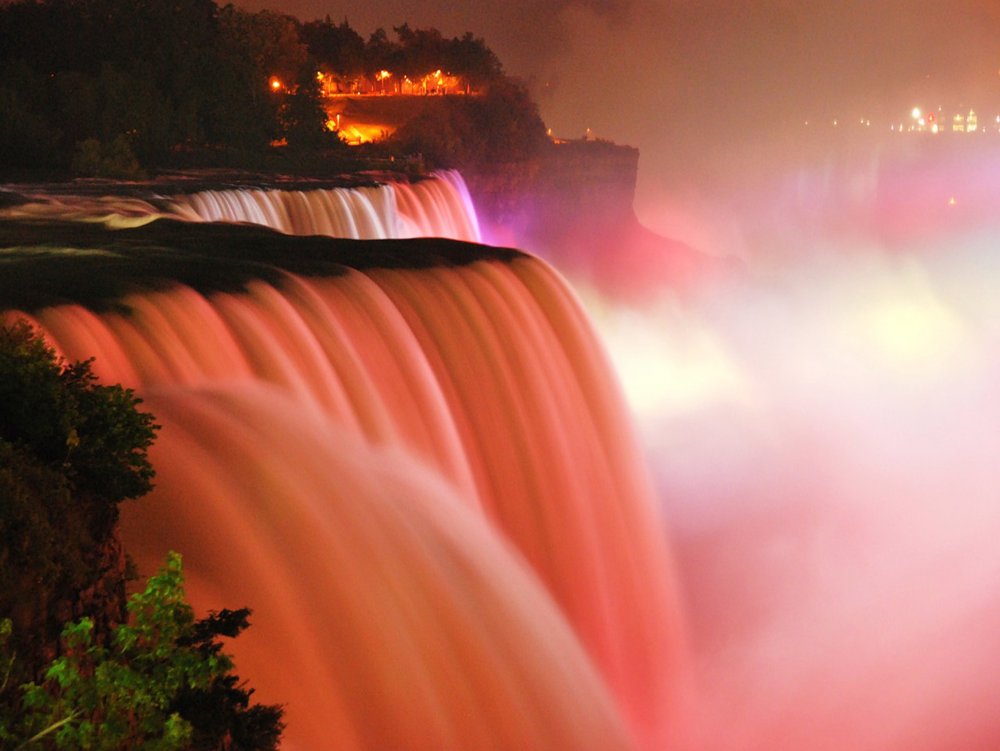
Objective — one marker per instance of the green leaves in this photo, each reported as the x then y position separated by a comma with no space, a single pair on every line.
59,412
70,450
126,695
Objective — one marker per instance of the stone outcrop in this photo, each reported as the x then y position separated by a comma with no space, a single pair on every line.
574,207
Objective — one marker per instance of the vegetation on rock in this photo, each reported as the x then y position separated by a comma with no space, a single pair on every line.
111,88
162,682
81,667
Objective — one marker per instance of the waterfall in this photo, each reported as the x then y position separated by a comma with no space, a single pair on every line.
418,473
436,207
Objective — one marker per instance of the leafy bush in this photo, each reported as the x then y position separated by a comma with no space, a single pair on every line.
70,450
112,159
163,683
477,133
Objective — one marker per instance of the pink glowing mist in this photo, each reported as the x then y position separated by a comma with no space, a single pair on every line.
425,484
822,430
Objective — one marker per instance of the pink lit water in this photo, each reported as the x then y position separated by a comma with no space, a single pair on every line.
443,455
426,486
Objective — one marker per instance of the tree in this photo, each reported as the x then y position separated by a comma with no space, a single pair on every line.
303,118
509,119
71,449
59,412
161,683
421,51
26,136
338,48
469,57
268,40
380,53
474,133
115,159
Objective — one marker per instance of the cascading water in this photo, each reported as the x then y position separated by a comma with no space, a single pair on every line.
410,460
438,207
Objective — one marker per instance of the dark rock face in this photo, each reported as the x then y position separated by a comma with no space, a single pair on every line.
573,206
56,262
573,185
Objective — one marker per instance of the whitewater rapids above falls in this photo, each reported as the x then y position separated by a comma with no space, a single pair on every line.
437,205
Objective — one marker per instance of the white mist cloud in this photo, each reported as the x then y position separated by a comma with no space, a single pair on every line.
823,433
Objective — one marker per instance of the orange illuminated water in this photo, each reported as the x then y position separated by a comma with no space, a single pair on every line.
435,207
425,485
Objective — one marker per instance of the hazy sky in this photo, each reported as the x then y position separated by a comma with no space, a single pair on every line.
704,85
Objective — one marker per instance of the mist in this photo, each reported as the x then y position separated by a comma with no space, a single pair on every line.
821,428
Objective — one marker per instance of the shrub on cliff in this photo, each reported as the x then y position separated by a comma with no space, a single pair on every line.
162,682
114,159
70,450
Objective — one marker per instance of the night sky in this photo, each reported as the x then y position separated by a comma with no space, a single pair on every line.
710,86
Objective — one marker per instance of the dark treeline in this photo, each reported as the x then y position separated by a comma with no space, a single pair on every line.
342,51
110,87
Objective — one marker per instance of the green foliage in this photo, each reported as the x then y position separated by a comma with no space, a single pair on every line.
70,450
474,133
104,86
62,414
152,688
114,159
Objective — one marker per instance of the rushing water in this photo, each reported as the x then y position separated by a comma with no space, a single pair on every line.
438,206
420,476
413,462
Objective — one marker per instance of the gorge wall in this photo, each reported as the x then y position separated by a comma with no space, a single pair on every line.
573,206
571,185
